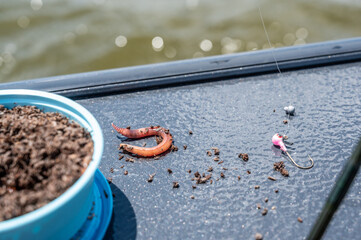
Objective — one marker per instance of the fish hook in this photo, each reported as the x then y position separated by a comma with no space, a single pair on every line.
309,157
278,141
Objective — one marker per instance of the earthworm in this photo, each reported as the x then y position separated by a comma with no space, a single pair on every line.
146,132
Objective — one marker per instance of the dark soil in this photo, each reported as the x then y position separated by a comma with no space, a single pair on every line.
215,150
129,159
244,156
258,236
151,177
197,175
280,167
272,178
174,148
265,211
41,155
203,179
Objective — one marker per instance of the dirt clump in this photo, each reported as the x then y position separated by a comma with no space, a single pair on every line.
280,167
244,156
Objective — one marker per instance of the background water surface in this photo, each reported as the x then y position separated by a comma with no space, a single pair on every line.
46,38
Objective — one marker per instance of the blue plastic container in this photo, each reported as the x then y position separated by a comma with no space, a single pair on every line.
62,217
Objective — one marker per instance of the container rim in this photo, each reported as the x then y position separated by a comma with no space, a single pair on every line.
85,178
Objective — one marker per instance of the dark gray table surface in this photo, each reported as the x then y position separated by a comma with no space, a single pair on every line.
237,116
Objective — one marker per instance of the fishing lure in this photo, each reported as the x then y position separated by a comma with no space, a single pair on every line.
146,132
277,140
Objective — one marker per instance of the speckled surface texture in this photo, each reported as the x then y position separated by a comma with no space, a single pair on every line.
237,116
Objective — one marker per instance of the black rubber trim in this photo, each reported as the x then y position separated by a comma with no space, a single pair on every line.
115,81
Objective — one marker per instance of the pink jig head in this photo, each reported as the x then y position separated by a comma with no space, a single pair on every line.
278,141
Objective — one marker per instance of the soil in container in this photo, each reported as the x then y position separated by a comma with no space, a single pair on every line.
41,155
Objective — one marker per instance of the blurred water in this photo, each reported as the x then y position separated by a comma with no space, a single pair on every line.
45,38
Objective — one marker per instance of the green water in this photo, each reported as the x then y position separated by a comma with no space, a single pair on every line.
41,38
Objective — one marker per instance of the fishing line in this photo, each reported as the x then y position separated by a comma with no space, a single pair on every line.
269,42
273,54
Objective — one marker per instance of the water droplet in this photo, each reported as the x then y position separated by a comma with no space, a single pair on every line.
23,21
121,41
206,45
157,43
36,4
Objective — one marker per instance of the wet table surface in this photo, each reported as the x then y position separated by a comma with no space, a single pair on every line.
237,116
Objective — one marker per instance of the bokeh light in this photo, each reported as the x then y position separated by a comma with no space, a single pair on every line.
36,4
121,41
170,52
206,45
302,33
23,21
157,44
